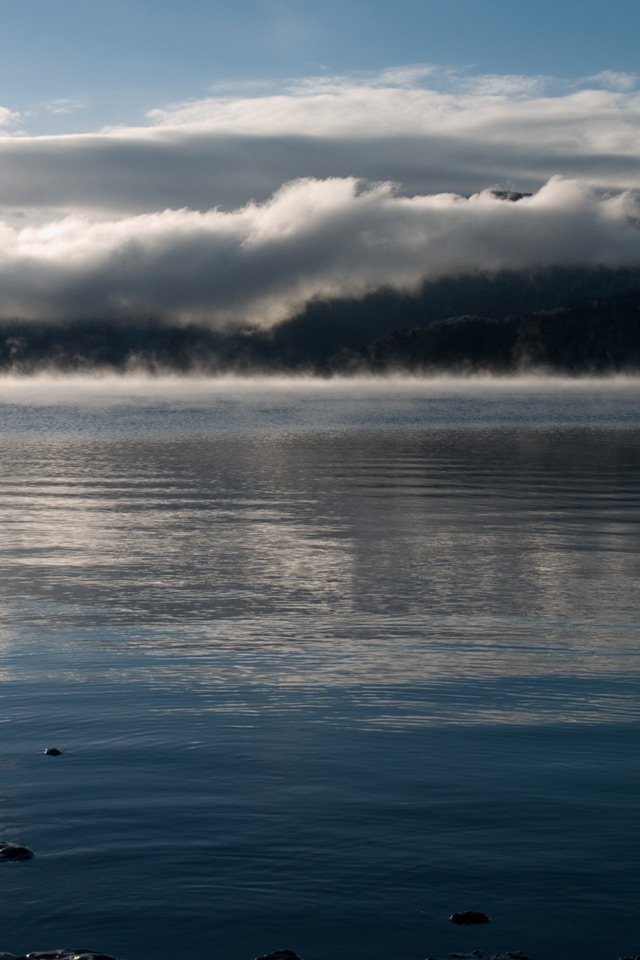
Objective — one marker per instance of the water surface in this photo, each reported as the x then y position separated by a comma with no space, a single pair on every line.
327,662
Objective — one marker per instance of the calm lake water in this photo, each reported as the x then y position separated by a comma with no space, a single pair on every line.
327,662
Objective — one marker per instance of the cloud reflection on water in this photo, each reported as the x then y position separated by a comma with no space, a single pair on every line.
405,574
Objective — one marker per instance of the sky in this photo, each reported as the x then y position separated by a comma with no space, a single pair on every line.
226,163
110,62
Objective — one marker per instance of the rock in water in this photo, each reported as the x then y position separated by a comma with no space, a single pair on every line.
13,851
280,955
61,954
53,752
479,955
468,917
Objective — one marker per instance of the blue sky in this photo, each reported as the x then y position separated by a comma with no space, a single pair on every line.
109,62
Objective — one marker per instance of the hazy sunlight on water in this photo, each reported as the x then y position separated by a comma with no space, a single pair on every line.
327,661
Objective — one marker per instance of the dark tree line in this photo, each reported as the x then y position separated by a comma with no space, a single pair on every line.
560,318
593,337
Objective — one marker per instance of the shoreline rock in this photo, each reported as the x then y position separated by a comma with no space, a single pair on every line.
467,917
60,954
280,955
14,851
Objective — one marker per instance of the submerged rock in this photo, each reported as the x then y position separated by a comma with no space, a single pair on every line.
478,955
61,954
280,955
52,752
14,851
468,917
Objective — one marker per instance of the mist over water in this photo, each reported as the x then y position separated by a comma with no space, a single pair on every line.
328,660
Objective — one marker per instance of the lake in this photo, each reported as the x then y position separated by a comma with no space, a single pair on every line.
327,662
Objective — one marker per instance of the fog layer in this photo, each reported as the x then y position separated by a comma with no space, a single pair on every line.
263,262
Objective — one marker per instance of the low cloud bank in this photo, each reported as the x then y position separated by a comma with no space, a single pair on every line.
262,263
457,134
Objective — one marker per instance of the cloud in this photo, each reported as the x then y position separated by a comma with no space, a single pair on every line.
427,129
8,117
241,208
407,76
614,80
65,106
510,85
489,108
314,238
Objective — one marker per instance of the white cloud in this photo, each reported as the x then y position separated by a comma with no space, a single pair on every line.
613,80
262,262
8,117
491,107
65,106
469,133
407,76
241,208
227,150
510,85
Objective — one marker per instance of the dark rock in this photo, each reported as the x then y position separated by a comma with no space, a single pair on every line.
479,955
280,955
513,195
468,917
13,851
53,752
63,954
